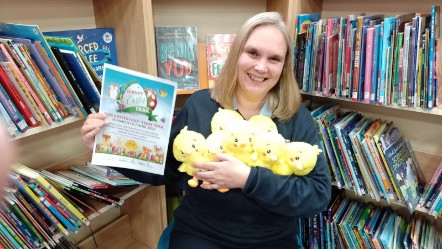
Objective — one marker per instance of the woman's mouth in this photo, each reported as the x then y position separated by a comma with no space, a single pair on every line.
256,78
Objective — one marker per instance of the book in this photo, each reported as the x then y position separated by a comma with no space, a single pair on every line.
177,55
218,47
82,179
148,103
402,166
12,111
98,45
81,93
95,174
32,174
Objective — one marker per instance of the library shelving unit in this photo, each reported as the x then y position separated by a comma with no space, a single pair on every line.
422,127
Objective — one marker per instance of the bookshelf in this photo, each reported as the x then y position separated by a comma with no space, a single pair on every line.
422,127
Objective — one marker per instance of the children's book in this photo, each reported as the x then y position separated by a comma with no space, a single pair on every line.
177,55
139,109
98,45
403,166
217,46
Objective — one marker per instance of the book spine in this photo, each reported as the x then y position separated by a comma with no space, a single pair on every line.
49,93
21,169
25,81
7,211
59,216
54,86
28,192
72,97
24,94
9,236
26,243
375,64
34,83
368,66
16,98
15,115
8,122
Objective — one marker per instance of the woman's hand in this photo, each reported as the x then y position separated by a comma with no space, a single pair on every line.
226,172
90,128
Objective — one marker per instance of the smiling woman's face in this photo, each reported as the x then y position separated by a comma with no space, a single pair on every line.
261,61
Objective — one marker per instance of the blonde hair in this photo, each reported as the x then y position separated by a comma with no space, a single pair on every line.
284,98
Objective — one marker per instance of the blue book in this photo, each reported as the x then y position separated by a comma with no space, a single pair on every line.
97,45
375,65
12,110
434,34
386,53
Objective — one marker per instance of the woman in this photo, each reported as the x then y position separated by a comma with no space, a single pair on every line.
261,209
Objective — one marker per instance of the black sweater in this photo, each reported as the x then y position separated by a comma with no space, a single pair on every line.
266,209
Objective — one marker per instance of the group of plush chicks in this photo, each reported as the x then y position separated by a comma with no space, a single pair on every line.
255,141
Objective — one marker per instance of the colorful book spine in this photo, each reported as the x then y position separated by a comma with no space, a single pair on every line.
16,98
24,94
21,225
25,81
23,170
18,181
375,64
15,115
368,65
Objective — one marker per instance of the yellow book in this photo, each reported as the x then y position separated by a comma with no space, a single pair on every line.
23,170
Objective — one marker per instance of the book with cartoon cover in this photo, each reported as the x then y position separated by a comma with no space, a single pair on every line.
139,108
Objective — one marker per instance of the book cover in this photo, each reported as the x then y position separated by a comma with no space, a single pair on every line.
98,45
177,55
139,108
402,166
218,47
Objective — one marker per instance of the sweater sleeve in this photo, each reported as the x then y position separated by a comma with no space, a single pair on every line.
292,195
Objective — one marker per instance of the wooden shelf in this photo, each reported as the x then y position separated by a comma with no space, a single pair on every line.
40,129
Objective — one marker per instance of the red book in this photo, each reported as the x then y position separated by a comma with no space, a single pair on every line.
16,98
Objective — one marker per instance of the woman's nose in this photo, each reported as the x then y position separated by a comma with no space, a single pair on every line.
261,66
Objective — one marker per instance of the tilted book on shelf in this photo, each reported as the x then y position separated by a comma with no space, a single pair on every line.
98,45
402,165
139,109
177,55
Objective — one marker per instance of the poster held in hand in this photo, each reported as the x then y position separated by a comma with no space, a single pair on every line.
139,109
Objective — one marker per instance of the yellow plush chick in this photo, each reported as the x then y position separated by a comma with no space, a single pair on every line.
188,147
269,151
223,119
301,157
263,123
214,147
239,140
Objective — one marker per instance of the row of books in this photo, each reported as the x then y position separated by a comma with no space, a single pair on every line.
43,79
432,197
348,223
370,157
370,58
177,55
43,207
